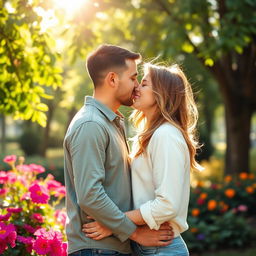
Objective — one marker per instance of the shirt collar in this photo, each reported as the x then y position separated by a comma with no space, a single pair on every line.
111,116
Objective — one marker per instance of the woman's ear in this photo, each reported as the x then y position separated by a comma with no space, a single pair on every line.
112,79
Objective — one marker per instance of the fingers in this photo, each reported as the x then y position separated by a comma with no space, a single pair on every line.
89,230
90,225
166,225
164,243
166,233
93,235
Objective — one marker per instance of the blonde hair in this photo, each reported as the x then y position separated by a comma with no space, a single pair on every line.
175,105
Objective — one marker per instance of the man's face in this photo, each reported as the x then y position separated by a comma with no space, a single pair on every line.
128,84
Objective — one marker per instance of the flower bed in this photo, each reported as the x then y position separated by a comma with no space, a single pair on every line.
222,215
29,221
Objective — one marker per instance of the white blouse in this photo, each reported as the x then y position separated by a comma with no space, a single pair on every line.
161,180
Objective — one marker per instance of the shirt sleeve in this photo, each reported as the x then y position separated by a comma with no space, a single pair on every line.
167,152
88,152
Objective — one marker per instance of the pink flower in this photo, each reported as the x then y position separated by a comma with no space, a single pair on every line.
3,177
7,235
23,168
5,217
41,246
14,210
12,177
55,247
38,217
37,168
3,191
61,217
60,192
29,228
25,240
28,241
12,238
3,246
53,184
242,208
10,159
39,194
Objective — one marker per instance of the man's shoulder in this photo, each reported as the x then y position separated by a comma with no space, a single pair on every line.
88,116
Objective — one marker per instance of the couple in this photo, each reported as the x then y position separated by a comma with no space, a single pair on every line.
101,188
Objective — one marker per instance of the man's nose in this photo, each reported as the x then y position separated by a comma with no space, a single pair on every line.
137,84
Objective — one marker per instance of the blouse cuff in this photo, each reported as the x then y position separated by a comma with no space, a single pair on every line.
145,211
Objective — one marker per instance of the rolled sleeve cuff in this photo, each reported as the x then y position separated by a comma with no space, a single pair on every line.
145,210
126,228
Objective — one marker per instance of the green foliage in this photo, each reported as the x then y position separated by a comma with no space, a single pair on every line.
27,61
222,215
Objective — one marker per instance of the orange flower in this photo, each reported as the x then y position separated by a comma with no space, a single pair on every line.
212,204
249,189
251,176
223,206
243,175
228,178
230,192
203,196
194,230
195,212
199,184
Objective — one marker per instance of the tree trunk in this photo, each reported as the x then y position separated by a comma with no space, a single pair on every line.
237,89
238,116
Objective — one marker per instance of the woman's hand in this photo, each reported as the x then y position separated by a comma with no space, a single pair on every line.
95,230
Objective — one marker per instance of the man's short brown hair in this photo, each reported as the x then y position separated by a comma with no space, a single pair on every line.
105,58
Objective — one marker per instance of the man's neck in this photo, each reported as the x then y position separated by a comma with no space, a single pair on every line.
109,102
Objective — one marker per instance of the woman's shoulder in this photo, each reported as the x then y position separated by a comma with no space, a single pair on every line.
167,129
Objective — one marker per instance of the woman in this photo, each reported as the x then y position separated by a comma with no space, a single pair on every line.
162,156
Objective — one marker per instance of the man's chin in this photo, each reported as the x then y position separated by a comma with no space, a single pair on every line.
127,103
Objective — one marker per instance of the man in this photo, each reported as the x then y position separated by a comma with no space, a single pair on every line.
97,173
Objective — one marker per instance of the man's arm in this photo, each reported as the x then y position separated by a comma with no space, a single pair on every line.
87,147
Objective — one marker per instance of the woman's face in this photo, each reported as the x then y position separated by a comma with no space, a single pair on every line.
145,99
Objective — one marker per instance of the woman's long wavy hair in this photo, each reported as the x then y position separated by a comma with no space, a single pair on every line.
175,105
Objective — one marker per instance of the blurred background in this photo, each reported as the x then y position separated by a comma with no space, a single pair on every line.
43,81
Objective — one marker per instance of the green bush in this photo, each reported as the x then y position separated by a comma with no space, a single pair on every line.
221,215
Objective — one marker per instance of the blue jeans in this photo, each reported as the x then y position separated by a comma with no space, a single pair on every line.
176,248
97,252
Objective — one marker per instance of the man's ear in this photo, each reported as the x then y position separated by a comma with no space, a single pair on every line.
111,79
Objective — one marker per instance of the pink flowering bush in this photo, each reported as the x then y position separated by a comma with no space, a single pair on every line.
29,221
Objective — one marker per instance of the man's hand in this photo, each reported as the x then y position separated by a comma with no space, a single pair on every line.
147,237
95,230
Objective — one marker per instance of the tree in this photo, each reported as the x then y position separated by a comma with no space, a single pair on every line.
221,34
27,61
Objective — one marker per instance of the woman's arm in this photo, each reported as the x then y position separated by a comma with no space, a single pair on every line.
136,217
